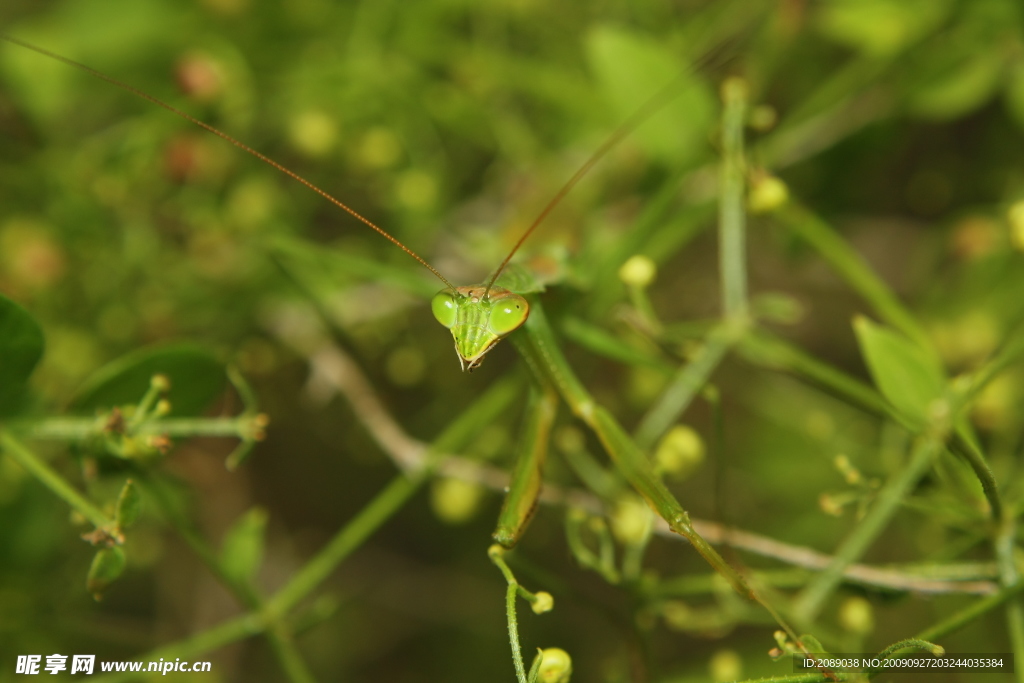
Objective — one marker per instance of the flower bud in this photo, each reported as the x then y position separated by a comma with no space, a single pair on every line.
1016,219
856,615
631,520
555,667
680,452
454,501
638,271
767,193
543,602
725,665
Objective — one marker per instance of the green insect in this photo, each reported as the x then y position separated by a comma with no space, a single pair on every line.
479,316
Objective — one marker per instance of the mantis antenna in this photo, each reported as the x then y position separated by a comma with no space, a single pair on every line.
245,148
646,110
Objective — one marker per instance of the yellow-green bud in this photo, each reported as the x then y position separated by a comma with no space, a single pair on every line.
680,452
313,132
725,665
767,193
455,501
160,383
677,615
631,520
380,148
638,271
850,473
763,117
543,602
555,667
1016,218
163,407
856,615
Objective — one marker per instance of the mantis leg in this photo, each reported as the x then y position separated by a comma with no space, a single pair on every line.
539,348
524,487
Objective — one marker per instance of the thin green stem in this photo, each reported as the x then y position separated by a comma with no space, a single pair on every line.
732,215
1009,576
383,506
965,616
686,384
809,602
220,635
53,481
513,631
79,428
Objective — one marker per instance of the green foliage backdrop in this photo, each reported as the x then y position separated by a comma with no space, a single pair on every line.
883,173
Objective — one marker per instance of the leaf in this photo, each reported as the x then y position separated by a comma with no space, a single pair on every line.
880,27
196,377
1015,93
905,374
959,89
632,67
21,347
129,505
107,565
242,548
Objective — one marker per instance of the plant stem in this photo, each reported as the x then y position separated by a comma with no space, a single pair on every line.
53,481
79,428
970,613
732,216
687,382
513,630
370,518
809,602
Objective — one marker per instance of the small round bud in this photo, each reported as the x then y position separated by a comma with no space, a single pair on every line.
767,194
455,501
163,407
829,505
734,89
631,520
638,271
380,148
677,615
763,118
725,665
680,452
555,667
1016,218
416,189
313,132
543,602
856,615
160,383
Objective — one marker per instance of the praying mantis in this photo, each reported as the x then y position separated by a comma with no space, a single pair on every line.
479,317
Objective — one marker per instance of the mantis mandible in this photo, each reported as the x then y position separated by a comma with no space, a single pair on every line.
480,316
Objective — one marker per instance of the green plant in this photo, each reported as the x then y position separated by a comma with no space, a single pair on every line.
212,252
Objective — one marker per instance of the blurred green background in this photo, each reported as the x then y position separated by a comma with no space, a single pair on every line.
451,123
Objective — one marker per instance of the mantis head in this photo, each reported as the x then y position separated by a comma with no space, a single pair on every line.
479,318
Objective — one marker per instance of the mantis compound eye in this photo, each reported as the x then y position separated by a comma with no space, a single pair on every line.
444,308
509,313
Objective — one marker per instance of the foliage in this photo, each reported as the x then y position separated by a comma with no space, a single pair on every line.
837,371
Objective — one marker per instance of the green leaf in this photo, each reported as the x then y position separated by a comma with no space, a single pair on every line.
1015,93
129,505
21,347
880,27
107,565
242,548
906,375
632,67
960,88
196,378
